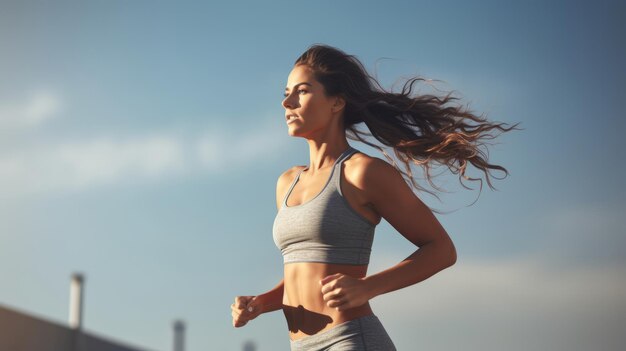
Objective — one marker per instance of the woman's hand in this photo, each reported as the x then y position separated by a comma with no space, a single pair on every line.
245,309
343,291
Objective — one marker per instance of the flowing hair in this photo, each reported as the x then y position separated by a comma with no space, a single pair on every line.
422,129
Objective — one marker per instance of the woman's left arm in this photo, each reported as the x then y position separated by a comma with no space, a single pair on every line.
394,200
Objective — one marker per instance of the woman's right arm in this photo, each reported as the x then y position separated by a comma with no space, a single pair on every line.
247,308
271,300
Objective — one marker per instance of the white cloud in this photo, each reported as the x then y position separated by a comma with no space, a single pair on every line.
107,160
38,108
208,150
220,150
517,304
91,162
543,300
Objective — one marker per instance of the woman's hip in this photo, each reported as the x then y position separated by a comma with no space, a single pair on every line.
364,333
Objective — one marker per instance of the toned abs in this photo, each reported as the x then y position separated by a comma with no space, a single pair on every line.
303,304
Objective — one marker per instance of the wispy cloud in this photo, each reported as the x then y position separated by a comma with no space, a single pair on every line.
85,163
220,149
82,164
542,300
513,305
30,112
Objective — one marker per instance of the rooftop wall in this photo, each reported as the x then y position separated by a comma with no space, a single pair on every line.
21,332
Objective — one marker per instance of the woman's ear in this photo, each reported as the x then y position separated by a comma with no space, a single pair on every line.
339,104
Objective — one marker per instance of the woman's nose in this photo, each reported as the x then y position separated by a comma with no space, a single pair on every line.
288,102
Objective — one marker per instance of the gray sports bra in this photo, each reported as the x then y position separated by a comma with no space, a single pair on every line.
325,228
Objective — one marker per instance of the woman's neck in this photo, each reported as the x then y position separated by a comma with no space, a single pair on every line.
324,158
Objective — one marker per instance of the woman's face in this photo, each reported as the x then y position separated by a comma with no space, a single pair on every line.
307,108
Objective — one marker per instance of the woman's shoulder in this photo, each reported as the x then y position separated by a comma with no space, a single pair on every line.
287,176
290,173
362,163
366,172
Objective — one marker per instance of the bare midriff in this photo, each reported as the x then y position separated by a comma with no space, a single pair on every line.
303,304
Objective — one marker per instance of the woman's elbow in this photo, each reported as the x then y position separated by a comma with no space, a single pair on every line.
451,254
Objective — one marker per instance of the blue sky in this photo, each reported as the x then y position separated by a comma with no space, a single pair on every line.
140,143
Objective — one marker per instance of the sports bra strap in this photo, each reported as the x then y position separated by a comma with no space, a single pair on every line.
293,183
344,155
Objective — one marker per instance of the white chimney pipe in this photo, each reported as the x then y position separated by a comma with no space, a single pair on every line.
179,335
76,301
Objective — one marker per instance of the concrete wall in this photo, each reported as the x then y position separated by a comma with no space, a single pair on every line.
21,332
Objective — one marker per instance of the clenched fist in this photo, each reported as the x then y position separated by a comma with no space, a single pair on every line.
342,292
245,309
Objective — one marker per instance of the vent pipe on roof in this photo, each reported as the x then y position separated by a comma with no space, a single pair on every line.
249,346
179,335
77,296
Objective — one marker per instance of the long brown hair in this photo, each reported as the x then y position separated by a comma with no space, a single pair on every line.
421,129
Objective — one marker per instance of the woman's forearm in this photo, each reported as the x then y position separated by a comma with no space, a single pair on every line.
273,299
423,263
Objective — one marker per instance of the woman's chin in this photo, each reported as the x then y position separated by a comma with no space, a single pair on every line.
292,131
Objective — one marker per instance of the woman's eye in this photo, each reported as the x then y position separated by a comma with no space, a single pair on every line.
300,91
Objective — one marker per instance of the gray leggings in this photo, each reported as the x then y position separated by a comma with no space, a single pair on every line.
361,334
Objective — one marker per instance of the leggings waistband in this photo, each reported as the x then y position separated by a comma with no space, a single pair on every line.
360,334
